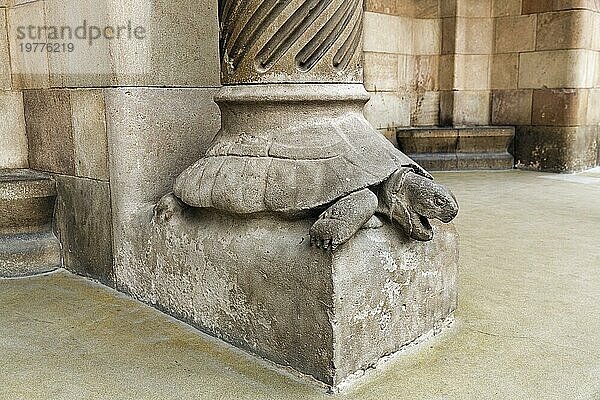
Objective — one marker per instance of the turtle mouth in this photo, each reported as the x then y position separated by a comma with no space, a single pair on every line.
422,229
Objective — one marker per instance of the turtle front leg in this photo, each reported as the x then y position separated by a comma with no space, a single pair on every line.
343,219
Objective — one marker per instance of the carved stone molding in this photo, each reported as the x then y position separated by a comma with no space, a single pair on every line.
291,41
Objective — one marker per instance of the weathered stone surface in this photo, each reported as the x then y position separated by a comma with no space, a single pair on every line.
511,107
515,34
504,71
593,113
425,140
381,71
182,47
471,108
49,130
84,226
27,244
26,255
537,6
598,148
324,315
425,9
13,139
247,273
501,8
179,48
471,72
379,29
89,134
464,161
388,109
556,149
449,35
553,69
437,161
592,5
564,30
443,149
427,34
88,65
491,161
559,107
5,76
425,109
29,69
485,140
154,134
447,108
386,7
425,73
27,201
473,8
446,71
448,8
474,35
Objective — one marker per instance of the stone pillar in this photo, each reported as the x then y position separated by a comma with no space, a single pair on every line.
248,247
467,46
546,82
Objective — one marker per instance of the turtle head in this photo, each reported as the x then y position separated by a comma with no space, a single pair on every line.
430,199
411,199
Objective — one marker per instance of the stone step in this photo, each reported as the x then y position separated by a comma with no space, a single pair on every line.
449,148
28,245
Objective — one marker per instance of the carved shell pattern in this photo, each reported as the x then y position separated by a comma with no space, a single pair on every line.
267,30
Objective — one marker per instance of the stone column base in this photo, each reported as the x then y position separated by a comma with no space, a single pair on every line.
258,284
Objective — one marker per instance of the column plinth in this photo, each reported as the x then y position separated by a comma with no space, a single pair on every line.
303,235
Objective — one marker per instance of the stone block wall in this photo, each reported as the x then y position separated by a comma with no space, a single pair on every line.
467,45
402,43
13,142
546,81
533,64
98,115
428,63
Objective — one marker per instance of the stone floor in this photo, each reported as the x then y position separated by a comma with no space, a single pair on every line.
528,326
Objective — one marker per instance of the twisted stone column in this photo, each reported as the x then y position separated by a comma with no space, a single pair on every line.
266,41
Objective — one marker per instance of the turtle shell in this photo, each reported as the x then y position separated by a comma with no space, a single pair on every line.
296,170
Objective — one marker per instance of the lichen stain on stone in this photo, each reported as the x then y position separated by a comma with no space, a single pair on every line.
388,262
393,290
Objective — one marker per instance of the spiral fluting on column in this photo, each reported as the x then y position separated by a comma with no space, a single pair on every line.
291,40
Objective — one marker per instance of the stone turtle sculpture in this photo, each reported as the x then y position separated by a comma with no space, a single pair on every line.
346,174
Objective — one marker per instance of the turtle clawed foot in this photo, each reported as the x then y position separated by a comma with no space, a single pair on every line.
167,207
343,219
326,243
325,234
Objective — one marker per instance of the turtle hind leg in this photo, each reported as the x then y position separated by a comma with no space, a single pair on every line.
168,207
374,223
343,219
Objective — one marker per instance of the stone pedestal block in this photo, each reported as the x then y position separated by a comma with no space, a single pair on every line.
258,284
27,243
